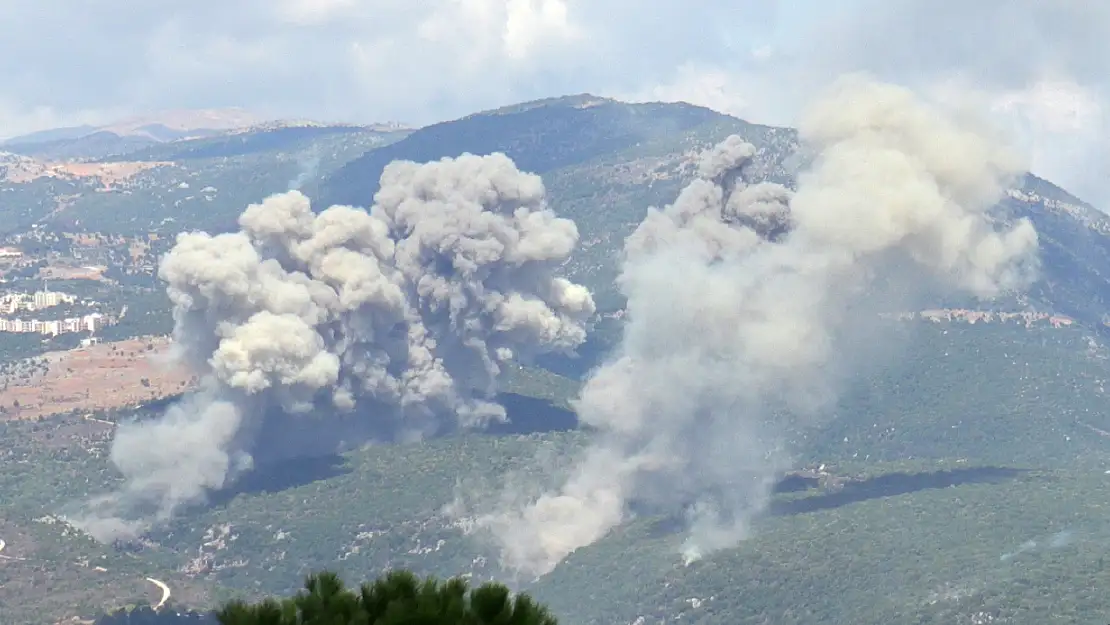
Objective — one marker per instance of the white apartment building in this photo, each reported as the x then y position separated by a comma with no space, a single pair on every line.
53,327
46,299
11,302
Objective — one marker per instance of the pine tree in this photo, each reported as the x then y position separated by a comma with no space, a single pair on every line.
398,598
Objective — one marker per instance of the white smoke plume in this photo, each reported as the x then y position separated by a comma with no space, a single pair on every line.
743,300
308,166
313,330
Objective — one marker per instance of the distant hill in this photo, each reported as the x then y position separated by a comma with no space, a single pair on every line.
254,140
129,135
51,134
544,137
605,162
175,185
185,121
95,144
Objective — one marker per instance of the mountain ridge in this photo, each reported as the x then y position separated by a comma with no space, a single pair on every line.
648,151
180,120
978,438
112,140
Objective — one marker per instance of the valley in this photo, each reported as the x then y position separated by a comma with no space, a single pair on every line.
959,478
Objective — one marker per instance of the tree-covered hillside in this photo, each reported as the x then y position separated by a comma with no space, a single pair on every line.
605,162
973,441
960,478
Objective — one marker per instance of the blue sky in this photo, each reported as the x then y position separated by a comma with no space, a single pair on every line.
1041,63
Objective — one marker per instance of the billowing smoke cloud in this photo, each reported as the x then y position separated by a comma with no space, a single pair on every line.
347,325
743,301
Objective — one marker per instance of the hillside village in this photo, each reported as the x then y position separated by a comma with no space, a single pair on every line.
962,315
14,302
1086,215
88,256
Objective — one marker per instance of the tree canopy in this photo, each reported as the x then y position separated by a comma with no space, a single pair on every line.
398,598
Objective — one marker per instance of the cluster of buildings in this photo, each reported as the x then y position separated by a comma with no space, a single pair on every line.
53,327
982,316
13,302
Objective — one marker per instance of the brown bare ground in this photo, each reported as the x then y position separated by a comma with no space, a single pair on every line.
72,273
109,174
99,377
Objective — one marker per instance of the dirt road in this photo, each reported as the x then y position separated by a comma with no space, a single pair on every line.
165,591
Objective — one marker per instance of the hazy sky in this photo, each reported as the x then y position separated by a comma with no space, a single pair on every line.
1040,61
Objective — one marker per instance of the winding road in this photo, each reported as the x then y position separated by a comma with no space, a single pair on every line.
89,417
157,582
165,591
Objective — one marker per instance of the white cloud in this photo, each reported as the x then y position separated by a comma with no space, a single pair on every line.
711,87
313,12
365,60
1058,106
532,22
763,53
1062,126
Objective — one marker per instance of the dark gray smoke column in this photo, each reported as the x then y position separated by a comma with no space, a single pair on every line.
396,318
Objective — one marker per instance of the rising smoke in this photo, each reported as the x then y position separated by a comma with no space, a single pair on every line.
744,303
315,330
308,166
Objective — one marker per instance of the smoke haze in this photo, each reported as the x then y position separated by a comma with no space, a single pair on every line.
743,308
331,329
308,166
